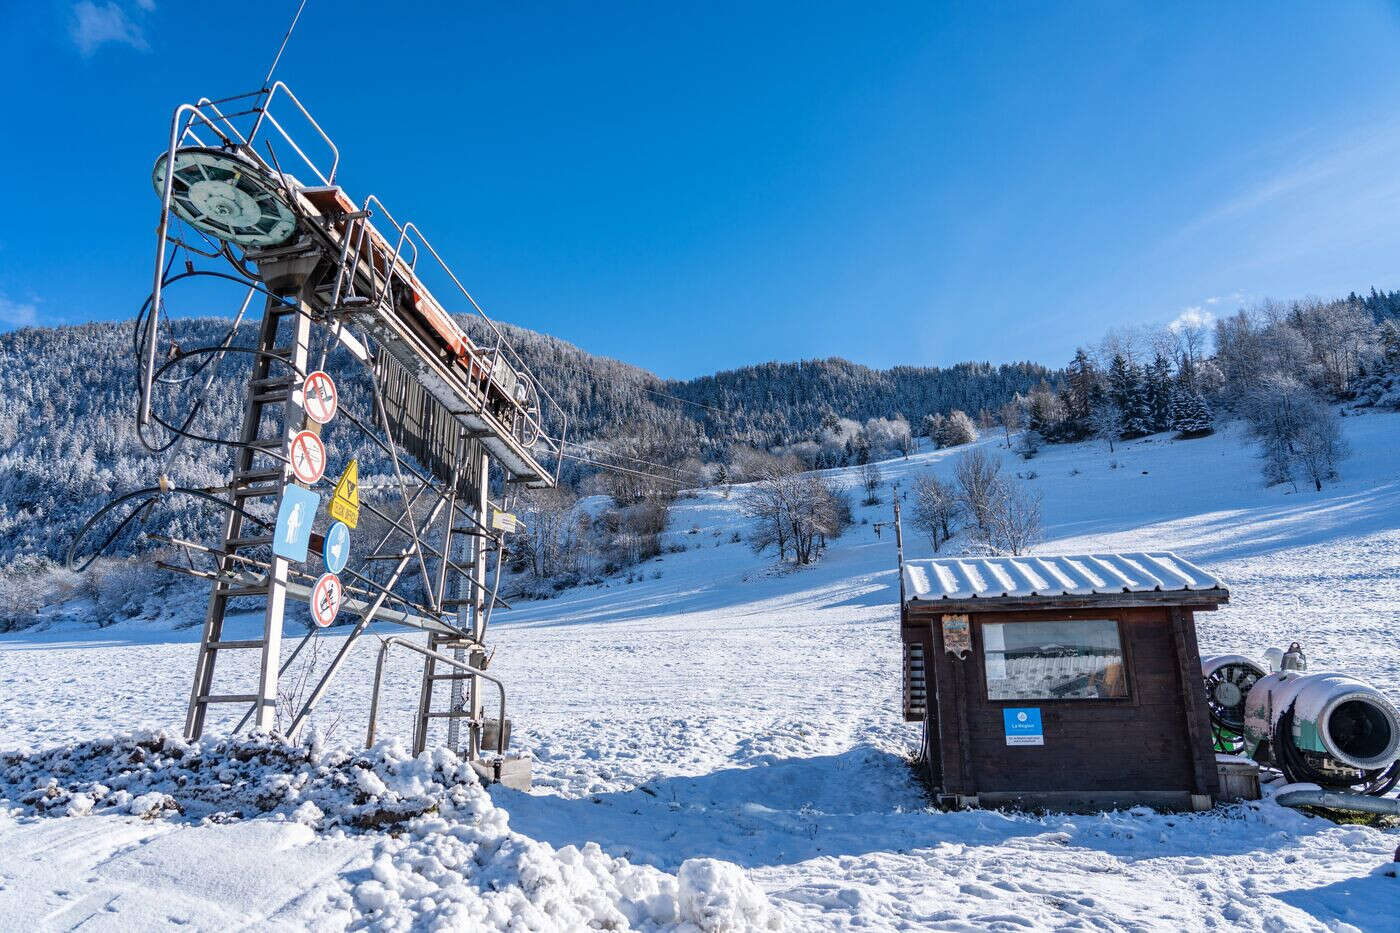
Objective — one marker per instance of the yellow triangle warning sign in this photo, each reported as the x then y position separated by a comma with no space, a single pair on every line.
345,501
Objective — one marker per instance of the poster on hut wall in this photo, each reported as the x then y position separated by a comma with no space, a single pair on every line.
957,636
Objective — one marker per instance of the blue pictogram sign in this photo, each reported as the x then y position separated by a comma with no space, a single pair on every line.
294,518
336,548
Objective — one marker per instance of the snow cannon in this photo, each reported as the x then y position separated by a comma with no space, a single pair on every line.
1229,678
1323,728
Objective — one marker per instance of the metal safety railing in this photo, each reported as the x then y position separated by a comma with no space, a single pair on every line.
393,640
362,243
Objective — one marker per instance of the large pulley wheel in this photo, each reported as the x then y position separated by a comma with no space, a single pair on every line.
226,196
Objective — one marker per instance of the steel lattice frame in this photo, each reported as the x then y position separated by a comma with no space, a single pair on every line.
336,285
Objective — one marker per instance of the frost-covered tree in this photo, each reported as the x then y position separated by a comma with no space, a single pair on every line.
1045,413
1296,430
936,507
1320,444
1159,393
1128,390
928,427
1081,387
1190,413
1106,421
957,429
977,476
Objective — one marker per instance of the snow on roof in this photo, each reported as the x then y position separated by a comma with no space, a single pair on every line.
1071,575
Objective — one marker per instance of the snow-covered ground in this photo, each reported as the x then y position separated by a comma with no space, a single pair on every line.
720,713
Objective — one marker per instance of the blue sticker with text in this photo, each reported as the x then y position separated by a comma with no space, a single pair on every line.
1023,726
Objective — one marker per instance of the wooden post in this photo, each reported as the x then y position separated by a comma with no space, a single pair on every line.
1205,779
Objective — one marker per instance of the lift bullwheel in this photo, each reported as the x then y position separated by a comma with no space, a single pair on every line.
226,196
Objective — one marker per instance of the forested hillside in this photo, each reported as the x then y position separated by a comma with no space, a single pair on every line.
69,442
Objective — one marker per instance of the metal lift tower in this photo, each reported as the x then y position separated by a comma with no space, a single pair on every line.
445,419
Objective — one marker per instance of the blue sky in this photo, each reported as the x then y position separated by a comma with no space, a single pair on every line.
695,187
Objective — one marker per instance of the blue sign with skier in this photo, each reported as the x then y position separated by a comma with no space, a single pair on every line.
335,550
294,518
1023,726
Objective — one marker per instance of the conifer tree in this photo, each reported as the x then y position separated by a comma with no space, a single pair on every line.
1191,416
1159,393
1128,390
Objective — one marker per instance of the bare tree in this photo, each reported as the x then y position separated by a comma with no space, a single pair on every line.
795,512
978,477
1010,416
870,479
1106,421
1013,521
551,544
936,507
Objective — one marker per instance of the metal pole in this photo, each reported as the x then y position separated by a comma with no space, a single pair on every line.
265,717
899,550
482,466
167,191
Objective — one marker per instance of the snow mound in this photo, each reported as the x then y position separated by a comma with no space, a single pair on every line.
451,860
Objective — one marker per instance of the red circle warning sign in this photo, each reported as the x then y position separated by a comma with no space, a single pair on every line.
318,397
308,457
326,597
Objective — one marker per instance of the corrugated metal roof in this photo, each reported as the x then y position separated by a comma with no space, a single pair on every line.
1070,575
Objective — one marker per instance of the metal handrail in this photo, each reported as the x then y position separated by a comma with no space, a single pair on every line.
409,234
265,112
406,233
452,662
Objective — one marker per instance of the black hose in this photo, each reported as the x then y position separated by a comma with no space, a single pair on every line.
152,494
1298,770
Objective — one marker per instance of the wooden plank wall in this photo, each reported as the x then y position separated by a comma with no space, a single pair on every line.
1151,741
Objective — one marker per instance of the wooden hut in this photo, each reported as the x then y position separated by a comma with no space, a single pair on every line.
1069,683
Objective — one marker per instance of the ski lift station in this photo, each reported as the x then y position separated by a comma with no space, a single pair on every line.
1070,683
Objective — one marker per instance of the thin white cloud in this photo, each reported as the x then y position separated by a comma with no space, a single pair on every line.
95,25
1193,318
147,5
17,313
1232,297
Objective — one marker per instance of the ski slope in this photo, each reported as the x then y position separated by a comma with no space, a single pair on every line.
719,745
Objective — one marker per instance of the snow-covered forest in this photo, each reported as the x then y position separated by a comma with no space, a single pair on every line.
1287,370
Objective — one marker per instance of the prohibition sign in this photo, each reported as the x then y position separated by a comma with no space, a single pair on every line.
326,597
318,397
308,457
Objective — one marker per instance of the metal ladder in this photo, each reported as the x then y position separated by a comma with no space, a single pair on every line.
459,711
253,482
463,552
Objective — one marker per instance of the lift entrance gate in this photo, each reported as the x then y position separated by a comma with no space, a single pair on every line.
437,420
